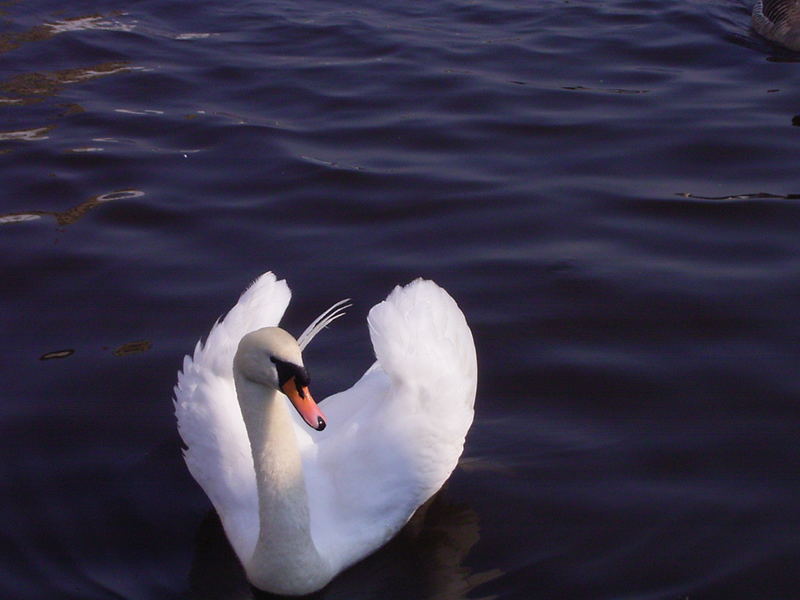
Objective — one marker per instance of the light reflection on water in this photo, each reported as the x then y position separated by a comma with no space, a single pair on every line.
70,216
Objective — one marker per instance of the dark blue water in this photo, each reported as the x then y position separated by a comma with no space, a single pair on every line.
608,188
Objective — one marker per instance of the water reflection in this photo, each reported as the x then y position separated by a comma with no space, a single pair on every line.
425,560
133,348
33,87
28,88
27,135
38,33
57,354
581,88
70,216
109,23
753,196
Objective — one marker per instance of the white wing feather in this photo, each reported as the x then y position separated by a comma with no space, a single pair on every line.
394,438
210,421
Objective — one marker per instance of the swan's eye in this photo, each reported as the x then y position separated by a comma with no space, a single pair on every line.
287,370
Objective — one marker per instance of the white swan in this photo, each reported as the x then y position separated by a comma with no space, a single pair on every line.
779,21
300,505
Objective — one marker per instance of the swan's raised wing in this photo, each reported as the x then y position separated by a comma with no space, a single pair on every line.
394,437
210,421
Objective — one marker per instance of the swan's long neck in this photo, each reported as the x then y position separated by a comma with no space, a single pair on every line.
285,558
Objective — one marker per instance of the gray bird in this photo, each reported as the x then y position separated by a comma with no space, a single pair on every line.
779,21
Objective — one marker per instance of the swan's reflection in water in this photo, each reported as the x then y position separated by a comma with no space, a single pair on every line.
424,561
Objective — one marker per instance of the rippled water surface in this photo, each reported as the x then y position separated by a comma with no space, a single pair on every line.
608,188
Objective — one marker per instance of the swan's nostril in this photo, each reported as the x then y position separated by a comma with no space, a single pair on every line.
320,424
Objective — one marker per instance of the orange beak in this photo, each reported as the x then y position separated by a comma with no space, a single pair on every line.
301,399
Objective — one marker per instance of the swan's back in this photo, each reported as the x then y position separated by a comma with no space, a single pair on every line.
210,420
778,20
394,438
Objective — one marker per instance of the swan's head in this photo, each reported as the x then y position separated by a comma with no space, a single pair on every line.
271,357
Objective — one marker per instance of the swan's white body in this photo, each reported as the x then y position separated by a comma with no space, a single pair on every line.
313,503
779,21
